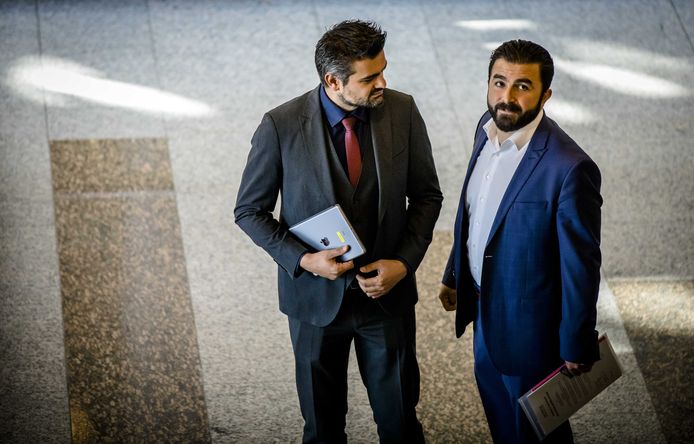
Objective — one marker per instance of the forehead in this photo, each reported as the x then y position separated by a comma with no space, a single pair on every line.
515,71
367,67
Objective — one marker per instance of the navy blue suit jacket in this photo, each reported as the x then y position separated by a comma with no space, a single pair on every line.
541,270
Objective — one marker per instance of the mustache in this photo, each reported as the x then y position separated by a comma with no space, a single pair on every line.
512,107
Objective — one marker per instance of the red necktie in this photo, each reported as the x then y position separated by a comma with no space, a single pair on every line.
353,150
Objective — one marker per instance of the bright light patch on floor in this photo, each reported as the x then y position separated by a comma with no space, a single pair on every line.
491,46
566,112
496,25
622,80
611,53
60,79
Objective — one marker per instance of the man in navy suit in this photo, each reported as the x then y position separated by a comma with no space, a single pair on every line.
525,263
386,183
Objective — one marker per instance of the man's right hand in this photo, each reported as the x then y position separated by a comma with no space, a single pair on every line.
324,263
448,297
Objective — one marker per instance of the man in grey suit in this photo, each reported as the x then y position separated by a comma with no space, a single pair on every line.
352,142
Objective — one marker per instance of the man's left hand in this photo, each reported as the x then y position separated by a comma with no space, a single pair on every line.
389,273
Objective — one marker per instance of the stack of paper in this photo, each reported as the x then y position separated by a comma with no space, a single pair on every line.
558,396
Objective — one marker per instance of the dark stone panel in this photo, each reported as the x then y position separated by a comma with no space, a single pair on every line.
133,366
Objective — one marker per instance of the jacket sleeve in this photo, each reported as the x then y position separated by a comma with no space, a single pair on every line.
423,194
578,229
260,186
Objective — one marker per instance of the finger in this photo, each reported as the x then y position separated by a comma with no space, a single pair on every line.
373,266
335,252
344,266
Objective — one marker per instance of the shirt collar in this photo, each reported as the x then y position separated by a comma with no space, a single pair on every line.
520,138
335,114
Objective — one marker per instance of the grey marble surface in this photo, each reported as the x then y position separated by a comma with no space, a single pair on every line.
622,89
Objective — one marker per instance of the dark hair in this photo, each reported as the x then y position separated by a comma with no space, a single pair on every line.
525,52
345,43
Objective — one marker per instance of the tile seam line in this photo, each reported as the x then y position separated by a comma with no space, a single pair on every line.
56,258
684,29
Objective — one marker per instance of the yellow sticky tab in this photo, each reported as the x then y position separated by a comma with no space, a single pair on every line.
342,239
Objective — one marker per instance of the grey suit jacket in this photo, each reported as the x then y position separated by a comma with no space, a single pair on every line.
289,156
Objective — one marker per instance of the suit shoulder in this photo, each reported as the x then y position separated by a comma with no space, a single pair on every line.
565,146
397,96
291,107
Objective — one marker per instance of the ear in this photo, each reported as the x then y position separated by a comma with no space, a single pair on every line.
332,82
546,96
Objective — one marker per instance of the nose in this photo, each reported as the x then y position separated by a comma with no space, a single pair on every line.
509,96
380,82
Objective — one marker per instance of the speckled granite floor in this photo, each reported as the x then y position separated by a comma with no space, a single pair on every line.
130,304
659,318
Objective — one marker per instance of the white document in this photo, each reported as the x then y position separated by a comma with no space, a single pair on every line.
557,397
329,229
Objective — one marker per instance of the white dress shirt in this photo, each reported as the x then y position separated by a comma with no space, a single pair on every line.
493,171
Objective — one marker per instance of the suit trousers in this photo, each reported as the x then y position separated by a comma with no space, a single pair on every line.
385,350
499,393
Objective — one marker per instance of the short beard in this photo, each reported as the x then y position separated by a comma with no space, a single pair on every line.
369,102
506,123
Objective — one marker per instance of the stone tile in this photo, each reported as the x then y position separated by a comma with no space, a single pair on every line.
242,335
24,168
110,166
29,259
32,338
125,299
34,414
176,30
130,339
267,412
632,428
661,335
450,409
648,249
18,30
129,65
244,78
685,12
95,25
22,111
91,122
209,161
34,403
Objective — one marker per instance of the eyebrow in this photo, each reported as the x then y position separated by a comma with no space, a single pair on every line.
521,80
373,76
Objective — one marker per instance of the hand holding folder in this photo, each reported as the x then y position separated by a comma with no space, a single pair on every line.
558,396
334,241
325,264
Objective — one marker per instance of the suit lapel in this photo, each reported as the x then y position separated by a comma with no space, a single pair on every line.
382,137
480,141
536,149
314,136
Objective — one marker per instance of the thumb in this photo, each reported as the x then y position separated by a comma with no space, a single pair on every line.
369,267
335,252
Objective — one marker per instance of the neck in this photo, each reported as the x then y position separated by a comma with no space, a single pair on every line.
335,98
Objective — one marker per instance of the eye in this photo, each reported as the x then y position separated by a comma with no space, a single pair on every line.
524,87
499,84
